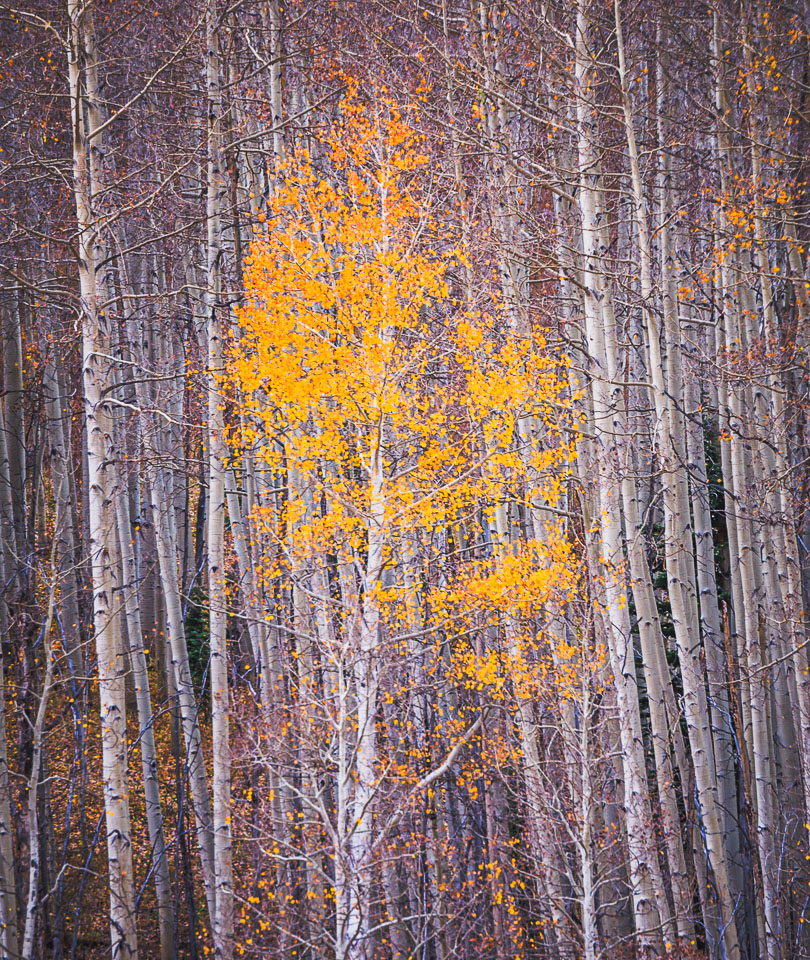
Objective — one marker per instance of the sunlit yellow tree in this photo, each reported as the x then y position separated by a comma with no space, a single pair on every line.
389,411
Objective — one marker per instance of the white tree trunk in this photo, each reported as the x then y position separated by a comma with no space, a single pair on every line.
102,548
217,594
647,890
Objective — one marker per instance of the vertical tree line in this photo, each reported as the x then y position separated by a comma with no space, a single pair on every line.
404,479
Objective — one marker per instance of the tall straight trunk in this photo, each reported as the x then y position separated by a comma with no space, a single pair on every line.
60,459
418,663
719,703
8,898
87,159
356,944
678,554
166,544
647,889
307,625
146,736
793,599
785,568
738,480
493,812
35,848
161,506
217,594
13,416
272,11
240,531
344,908
590,933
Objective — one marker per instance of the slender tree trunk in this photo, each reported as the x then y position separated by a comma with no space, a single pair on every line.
35,847
678,555
217,593
95,379
365,675
13,417
738,480
146,736
66,544
8,897
647,890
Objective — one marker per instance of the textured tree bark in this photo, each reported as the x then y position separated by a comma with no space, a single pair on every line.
647,889
165,542
366,687
761,741
724,746
590,931
740,463
59,456
217,593
8,897
146,735
678,534
87,161
784,569
307,588
14,426
33,820
272,11
166,630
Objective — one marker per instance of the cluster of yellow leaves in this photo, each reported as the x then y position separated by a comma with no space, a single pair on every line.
354,350
522,579
350,341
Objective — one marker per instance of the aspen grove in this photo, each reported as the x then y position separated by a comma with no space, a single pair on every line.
404,480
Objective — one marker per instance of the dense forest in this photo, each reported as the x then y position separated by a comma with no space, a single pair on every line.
404,476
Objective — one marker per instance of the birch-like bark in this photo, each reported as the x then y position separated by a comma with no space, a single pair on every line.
59,457
678,555
785,586
749,623
87,160
159,494
13,422
647,890
166,545
8,560
146,735
355,933
217,594
272,11
8,896
33,821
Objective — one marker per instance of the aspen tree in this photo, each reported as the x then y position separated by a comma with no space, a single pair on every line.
146,717
508,642
87,161
679,569
646,885
217,595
